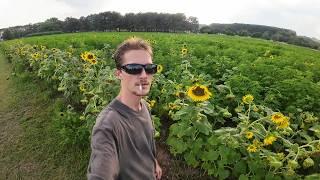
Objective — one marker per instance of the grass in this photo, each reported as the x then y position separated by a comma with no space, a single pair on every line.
30,147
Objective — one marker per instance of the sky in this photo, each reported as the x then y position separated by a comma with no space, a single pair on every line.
302,16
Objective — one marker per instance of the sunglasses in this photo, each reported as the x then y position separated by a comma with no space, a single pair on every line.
137,68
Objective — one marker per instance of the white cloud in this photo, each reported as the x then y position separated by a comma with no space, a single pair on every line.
299,15
18,12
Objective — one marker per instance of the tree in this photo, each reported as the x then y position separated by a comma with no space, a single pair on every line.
71,25
193,24
7,35
52,24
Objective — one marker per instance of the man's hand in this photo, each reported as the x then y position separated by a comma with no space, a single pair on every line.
158,171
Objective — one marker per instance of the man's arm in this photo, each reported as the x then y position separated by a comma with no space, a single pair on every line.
104,164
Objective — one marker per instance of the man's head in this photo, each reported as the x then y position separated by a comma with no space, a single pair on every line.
130,44
133,60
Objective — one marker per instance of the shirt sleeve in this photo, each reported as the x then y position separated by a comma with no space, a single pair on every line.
104,163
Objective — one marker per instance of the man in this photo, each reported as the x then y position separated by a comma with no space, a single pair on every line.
122,139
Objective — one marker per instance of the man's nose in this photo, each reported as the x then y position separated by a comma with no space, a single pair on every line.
143,73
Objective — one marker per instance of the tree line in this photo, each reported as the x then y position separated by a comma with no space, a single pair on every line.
260,31
108,21
153,22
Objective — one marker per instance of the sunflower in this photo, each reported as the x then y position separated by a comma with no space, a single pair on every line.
280,120
184,51
252,148
249,135
90,56
173,106
159,68
247,99
82,87
257,143
43,47
69,54
83,55
199,93
284,123
277,117
269,140
151,103
93,61
36,56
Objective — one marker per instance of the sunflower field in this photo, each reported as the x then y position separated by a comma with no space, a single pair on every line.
236,107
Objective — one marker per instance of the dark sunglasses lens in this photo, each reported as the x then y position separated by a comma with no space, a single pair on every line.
133,68
151,68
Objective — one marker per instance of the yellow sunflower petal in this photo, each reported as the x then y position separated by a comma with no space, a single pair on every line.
199,93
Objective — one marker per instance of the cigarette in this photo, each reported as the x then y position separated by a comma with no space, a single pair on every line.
140,87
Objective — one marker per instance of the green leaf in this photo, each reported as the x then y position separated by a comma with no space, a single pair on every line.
177,146
271,176
305,135
213,140
191,159
211,155
240,167
203,126
208,110
179,129
243,177
179,114
223,173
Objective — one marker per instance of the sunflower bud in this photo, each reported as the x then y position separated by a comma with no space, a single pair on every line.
308,163
226,114
230,96
276,164
290,172
293,164
239,109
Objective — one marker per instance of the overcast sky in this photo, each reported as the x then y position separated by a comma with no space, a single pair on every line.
302,16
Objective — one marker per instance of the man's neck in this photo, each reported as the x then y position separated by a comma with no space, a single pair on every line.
131,101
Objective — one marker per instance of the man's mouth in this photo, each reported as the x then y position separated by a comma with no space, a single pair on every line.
143,84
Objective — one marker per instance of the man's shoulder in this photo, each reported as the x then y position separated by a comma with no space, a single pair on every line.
107,117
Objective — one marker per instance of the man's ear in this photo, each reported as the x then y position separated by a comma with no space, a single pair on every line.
118,74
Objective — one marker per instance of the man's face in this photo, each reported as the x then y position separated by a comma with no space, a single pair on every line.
138,84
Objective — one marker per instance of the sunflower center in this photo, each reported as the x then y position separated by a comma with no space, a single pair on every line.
277,117
198,91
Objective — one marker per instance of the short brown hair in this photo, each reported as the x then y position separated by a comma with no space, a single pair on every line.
130,44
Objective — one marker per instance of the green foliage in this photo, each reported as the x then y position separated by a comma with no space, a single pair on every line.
226,133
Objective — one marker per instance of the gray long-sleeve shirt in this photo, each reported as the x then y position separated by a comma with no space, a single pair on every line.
122,144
